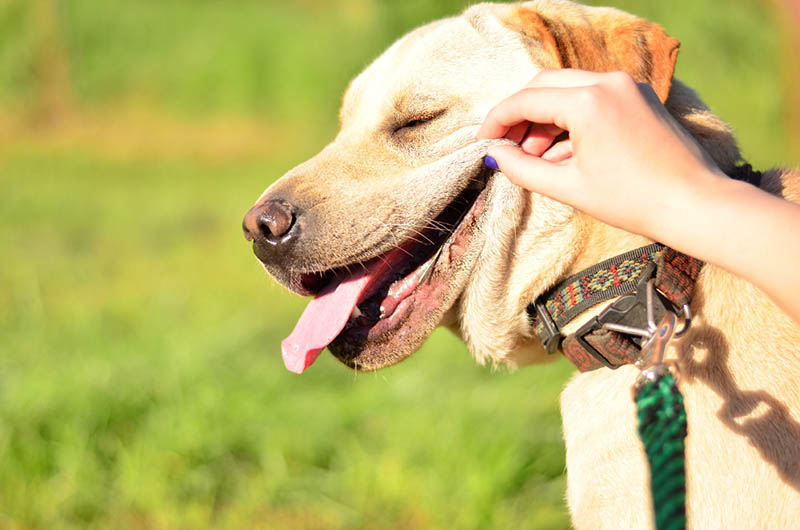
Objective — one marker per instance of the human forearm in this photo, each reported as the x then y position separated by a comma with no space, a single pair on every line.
628,163
744,230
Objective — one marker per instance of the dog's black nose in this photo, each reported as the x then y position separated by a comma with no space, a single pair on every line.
270,222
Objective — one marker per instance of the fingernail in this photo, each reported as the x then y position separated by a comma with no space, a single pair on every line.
490,162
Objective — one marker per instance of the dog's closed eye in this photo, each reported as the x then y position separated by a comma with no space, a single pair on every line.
419,121
416,121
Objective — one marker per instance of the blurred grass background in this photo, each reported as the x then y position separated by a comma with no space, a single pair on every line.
141,384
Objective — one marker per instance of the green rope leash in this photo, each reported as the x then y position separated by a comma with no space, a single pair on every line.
662,428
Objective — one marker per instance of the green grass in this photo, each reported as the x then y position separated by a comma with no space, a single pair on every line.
142,383
140,380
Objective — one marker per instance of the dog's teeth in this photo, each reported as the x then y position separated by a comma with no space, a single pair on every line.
356,312
383,311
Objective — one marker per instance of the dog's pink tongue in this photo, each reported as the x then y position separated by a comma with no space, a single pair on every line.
324,318
327,314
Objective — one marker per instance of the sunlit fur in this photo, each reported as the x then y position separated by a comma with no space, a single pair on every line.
739,366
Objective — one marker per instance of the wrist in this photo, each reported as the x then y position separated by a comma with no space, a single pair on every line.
709,222
687,210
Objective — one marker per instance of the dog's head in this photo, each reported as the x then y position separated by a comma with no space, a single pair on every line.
396,227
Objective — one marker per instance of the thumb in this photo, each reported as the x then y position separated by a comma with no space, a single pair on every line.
527,171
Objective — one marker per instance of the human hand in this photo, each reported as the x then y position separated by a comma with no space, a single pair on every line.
626,161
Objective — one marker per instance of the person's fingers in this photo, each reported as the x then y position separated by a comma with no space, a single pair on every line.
527,171
491,128
538,138
517,133
557,106
558,152
649,95
559,97
565,78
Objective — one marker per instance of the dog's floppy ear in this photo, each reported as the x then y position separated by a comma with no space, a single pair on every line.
598,39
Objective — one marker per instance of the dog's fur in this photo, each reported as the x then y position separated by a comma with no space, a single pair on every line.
379,182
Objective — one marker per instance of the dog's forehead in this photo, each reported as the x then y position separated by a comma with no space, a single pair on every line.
472,57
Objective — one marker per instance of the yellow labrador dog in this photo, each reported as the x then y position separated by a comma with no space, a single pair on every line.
396,228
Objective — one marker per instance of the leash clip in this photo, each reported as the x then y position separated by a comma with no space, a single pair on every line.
655,336
553,337
655,346
623,316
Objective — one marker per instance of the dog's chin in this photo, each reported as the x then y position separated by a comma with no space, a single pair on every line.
393,322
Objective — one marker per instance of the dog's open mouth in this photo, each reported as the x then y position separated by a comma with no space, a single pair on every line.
358,310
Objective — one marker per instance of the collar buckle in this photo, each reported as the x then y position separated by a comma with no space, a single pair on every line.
626,315
551,336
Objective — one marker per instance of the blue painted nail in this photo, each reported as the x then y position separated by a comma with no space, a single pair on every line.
490,162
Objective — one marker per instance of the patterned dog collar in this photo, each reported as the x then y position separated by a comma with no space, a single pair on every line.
622,276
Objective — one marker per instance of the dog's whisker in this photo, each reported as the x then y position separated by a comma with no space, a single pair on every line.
430,265
401,249
420,237
421,241
438,225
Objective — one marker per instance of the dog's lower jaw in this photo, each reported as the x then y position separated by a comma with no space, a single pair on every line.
429,305
534,241
551,242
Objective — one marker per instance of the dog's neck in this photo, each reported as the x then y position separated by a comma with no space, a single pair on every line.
600,242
